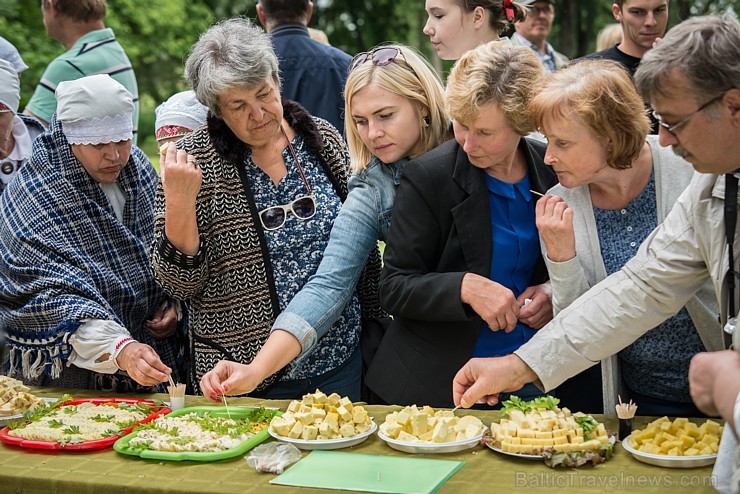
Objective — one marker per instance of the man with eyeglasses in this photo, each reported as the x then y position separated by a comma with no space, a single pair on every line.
533,32
692,81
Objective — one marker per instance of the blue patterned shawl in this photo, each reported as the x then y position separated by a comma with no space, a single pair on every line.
65,257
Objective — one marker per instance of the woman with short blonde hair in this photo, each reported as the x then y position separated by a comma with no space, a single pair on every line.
588,91
503,75
463,274
616,185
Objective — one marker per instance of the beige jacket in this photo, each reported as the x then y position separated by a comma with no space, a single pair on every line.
570,279
673,263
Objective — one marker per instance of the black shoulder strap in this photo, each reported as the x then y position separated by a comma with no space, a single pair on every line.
730,221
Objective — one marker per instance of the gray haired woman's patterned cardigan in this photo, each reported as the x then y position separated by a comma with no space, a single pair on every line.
229,283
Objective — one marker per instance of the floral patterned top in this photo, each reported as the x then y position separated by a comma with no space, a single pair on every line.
657,363
296,250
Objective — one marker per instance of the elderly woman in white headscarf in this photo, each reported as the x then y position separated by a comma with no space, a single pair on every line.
77,298
17,131
177,117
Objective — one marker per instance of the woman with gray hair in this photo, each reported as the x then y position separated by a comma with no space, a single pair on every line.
244,212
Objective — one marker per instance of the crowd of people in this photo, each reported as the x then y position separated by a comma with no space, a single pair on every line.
538,239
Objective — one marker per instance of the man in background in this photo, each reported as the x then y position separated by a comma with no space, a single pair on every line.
643,22
534,30
311,73
91,49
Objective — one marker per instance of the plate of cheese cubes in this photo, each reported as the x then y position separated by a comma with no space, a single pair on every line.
537,428
425,430
676,443
319,421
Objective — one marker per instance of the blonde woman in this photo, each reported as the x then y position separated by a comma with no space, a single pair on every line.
610,35
394,112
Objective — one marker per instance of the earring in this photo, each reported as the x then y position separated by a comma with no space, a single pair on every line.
425,122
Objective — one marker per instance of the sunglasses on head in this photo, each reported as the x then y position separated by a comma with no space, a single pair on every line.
303,208
380,57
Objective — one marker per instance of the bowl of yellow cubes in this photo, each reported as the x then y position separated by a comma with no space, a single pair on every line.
676,443
425,430
322,422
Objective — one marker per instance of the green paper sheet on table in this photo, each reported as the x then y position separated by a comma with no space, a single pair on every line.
368,473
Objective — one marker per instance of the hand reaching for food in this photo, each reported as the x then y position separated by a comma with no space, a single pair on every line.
231,378
142,364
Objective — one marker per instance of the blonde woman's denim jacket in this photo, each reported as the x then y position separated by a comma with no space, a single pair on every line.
363,220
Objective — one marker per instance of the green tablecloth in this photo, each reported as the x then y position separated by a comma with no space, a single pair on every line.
485,471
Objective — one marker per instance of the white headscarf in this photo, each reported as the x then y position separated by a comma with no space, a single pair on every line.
95,110
10,53
10,87
180,114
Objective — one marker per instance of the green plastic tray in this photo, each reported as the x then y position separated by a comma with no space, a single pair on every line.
216,411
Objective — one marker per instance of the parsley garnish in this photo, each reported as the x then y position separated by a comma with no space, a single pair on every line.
516,403
588,424
72,429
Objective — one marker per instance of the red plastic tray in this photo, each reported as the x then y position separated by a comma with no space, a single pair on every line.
85,445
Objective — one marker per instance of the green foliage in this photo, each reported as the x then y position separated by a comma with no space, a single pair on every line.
158,36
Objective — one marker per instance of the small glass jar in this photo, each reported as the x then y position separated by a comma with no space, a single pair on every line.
625,428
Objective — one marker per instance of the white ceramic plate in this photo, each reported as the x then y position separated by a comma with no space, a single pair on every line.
518,455
668,461
325,444
429,448
6,418
525,456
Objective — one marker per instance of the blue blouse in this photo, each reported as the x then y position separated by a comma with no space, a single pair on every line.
296,249
516,249
657,363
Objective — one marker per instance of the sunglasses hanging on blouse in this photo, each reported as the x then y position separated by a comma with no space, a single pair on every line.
303,208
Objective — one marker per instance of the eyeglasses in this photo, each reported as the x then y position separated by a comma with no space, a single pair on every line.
535,11
380,57
303,208
672,128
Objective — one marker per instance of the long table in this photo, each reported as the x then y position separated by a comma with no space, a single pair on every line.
485,471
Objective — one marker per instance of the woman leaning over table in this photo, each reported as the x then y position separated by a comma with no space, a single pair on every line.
395,111
77,298
456,26
615,187
463,251
244,212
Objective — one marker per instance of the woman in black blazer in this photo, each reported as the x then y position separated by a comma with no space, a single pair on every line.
463,273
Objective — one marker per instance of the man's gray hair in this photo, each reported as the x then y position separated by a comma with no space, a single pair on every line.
704,49
232,53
